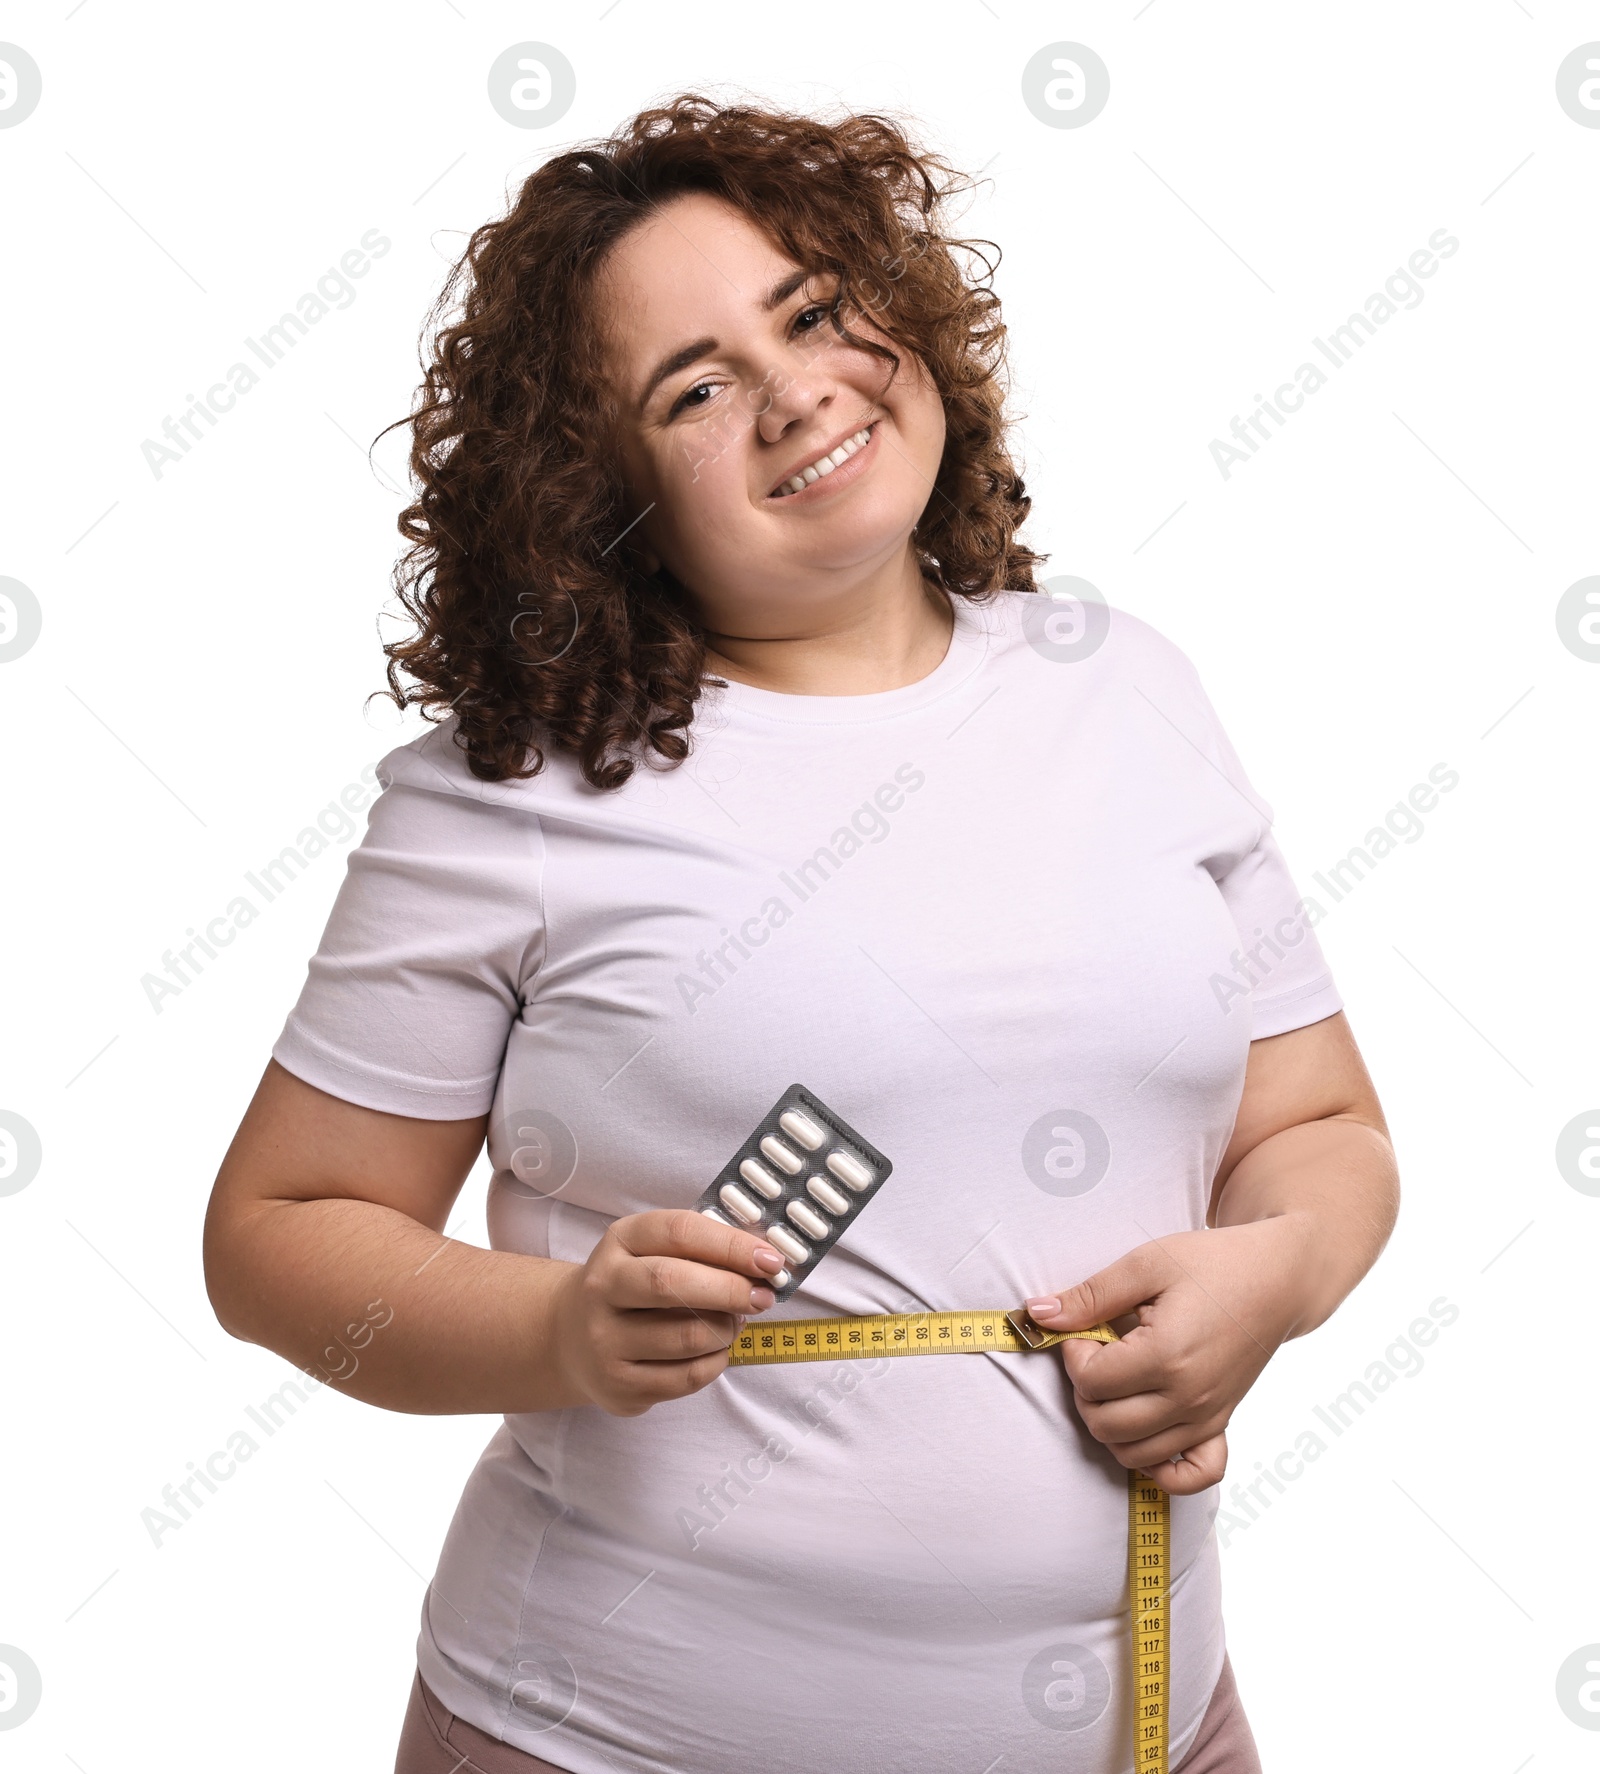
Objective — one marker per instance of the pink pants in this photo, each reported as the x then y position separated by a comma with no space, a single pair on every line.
434,1741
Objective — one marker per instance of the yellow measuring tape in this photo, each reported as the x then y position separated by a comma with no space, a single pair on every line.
1011,1333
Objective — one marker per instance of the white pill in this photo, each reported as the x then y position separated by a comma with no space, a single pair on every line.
849,1169
761,1179
802,1128
712,1214
780,1154
786,1241
808,1219
781,1279
820,1189
739,1204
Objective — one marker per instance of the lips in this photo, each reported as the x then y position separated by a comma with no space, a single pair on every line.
821,464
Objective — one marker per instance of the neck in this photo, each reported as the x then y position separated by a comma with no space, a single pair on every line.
875,639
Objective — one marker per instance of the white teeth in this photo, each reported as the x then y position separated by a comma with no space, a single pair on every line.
824,465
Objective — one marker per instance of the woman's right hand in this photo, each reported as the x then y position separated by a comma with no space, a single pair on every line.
652,1313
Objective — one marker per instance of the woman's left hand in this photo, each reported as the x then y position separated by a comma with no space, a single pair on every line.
1212,1308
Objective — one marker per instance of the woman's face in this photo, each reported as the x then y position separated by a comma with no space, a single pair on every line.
730,381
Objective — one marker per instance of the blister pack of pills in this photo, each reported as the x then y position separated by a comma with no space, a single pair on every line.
799,1181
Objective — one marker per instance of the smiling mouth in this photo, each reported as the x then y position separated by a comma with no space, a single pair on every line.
824,465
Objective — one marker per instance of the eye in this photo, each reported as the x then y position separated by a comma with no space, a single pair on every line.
683,403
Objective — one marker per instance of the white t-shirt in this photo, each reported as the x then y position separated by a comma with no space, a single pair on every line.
1019,923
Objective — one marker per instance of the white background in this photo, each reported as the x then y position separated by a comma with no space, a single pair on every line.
1373,593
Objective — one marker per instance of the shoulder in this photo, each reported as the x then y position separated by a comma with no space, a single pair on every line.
1069,622
431,803
431,793
436,764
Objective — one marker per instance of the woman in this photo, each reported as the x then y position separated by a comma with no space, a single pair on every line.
762,760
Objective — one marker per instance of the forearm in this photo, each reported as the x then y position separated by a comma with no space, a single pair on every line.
1335,1185
377,1305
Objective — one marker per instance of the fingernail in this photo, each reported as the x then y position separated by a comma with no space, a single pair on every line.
760,1299
1046,1306
767,1258
738,1322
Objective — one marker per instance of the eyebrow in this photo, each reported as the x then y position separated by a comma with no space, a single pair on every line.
693,352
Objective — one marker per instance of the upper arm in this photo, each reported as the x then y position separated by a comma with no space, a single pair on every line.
380,1085
1304,1074
297,1143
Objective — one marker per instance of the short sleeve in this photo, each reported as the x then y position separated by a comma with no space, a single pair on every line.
434,936
1283,967
1279,964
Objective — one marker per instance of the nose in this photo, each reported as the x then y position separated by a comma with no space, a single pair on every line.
791,390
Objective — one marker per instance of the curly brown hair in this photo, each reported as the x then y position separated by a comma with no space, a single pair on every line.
532,625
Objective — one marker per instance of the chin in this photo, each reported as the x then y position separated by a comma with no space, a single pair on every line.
872,515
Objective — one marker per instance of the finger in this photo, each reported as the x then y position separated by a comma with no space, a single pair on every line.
1201,1467
1114,1370
1122,1287
639,1385
654,1281
1155,1450
678,1232
1136,1422
662,1335
663,1380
